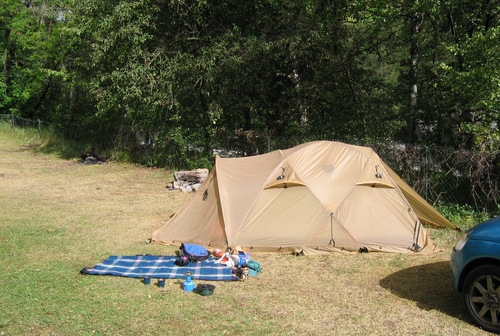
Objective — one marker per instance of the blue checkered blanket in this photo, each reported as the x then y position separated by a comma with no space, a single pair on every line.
160,267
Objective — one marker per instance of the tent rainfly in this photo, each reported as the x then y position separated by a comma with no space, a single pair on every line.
316,198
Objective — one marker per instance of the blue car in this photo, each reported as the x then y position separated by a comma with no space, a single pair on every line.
475,262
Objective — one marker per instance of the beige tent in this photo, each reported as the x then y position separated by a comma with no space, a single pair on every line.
316,198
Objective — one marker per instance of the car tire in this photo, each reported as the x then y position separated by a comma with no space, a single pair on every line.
481,294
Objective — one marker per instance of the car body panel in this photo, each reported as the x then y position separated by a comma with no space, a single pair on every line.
488,230
483,246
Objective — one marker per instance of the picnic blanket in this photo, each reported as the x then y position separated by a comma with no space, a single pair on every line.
160,267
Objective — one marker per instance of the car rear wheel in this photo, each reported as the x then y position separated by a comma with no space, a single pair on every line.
481,294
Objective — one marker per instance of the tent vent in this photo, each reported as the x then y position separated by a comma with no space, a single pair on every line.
281,177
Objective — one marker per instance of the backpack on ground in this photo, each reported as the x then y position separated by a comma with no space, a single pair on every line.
194,252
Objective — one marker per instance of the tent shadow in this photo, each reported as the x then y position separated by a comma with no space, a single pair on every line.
430,286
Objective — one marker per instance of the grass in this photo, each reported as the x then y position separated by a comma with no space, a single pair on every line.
58,216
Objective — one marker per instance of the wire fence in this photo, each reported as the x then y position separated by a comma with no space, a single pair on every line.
447,175
17,121
441,175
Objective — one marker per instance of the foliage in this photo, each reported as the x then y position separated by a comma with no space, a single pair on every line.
463,216
230,69
31,56
152,78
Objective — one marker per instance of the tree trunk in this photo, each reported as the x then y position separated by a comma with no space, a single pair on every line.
416,21
5,51
206,123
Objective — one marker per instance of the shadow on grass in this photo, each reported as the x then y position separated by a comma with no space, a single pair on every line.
63,150
430,286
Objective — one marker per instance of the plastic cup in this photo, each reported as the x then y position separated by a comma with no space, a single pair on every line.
161,282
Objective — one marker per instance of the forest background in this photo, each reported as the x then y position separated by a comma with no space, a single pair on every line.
170,83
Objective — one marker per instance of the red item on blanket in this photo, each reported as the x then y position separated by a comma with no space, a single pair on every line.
217,253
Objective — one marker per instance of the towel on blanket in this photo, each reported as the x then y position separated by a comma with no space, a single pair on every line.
160,267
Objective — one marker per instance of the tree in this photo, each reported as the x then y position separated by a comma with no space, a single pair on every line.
33,51
469,75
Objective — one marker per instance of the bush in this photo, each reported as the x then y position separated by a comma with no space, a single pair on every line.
463,216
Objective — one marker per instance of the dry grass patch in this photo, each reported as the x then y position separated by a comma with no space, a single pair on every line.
58,216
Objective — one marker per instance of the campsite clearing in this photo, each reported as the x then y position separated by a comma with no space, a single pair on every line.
58,216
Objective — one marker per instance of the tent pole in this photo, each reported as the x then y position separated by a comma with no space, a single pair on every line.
205,194
332,241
